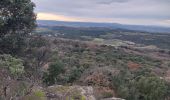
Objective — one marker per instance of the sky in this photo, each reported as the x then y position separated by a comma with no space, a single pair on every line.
134,12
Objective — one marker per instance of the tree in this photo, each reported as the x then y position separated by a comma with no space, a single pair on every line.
17,20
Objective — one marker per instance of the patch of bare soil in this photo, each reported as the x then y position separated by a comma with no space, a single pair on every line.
133,66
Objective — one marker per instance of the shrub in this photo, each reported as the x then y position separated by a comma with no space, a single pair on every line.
36,95
139,85
107,95
75,74
168,64
39,93
54,70
12,64
151,88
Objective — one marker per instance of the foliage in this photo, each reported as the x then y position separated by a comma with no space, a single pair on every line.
168,90
107,95
169,65
39,93
133,86
17,16
38,41
17,20
36,95
54,70
75,74
14,65
37,55
151,88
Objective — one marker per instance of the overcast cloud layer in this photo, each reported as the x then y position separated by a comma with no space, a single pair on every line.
141,12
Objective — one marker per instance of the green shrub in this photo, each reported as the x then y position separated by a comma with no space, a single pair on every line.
169,64
107,95
54,70
168,90
39,93
139,85
14,65
75,74
151,88
36,95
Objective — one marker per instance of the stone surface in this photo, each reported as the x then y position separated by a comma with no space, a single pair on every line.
113,99
59,92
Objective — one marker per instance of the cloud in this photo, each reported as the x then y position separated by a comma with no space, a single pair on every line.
108,10
111,1
49,16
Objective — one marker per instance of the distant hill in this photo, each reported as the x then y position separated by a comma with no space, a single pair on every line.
155,29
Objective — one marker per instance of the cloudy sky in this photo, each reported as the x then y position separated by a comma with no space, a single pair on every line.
138,12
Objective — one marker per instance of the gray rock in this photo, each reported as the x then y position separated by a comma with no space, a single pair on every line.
113,99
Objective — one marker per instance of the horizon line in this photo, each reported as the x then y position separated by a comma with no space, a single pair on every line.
104,23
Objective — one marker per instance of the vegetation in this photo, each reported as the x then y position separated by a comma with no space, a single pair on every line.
52,76
17,21
32,64
139,87
13,65
36,95
160,40
151,88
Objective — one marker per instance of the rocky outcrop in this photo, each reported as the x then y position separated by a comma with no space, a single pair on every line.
113,99
59,92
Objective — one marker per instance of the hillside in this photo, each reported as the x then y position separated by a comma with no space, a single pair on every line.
60,60
87,64
107,35
157,29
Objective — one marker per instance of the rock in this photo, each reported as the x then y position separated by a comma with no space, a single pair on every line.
70,93
113,99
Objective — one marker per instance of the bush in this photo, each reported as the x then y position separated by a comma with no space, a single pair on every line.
139,85
36,95
151,88
12,64
169,65
39,93
107,95
75,74
168,91
54,70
